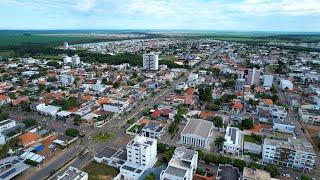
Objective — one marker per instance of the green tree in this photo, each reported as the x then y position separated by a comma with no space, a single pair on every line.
247,123
218,121
150,176
305,177
30,123
272,170
72,132
219,142
205,93
77,120
4,116
116,85
239,164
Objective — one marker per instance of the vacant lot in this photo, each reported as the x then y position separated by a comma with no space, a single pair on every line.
100,171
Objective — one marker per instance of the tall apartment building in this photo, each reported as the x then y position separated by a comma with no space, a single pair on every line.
253,77
65,45
182,165
75,60
295,153
141,155
151,61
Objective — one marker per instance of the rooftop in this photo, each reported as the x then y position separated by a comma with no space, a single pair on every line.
198,127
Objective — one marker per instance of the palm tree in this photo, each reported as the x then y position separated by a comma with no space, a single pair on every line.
219,142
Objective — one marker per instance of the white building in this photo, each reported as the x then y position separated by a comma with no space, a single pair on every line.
75,60
67,59
197,133
295,153
182,165
141,155
233,141
286,84
283,125
310,116
267,81
49,110
73,174
151,61
65,45
7,124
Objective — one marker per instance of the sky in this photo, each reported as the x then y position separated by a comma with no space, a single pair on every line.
236,15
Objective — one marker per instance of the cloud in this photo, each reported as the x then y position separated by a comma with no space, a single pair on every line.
84,5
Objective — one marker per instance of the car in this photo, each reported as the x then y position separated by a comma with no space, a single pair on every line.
298,178
288,175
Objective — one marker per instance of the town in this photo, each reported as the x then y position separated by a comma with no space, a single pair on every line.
171,108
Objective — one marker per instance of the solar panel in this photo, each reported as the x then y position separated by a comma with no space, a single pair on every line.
11,171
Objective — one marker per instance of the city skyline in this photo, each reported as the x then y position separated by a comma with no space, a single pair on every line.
235,15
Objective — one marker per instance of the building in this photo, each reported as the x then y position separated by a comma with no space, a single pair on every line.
7,124
11,167
197,133
66,79
151,61
295,153
75,60
285,84
267,81
233,141
73,174
182,165
278,112
249,147
283,125
255,174
153,130
67,59
65,45
141,155
240,85
253,77
310,116
227,172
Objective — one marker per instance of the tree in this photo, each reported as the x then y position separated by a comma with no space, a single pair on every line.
218,121
30,123
72,132
52,79
239,164
4,116
150,176
305,177
77,120
272,170
247,123
219,142
161,148
253,102
116,85
205,93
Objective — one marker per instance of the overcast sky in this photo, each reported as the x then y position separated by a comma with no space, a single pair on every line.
242,15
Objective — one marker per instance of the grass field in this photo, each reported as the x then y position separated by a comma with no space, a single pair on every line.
102,137
6,53
253,139
98,171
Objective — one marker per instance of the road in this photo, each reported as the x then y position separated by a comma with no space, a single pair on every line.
293,117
